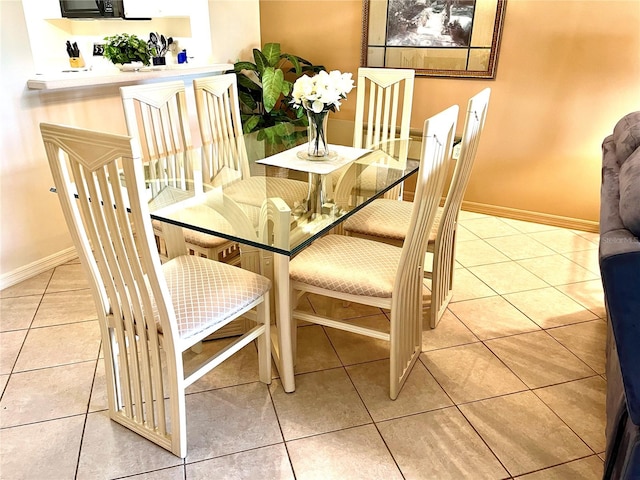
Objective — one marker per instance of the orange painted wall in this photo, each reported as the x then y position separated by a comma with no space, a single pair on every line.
567,71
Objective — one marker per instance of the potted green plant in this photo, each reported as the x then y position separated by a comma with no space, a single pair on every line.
124,48
264,87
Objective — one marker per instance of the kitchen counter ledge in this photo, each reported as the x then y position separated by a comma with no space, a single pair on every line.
79,79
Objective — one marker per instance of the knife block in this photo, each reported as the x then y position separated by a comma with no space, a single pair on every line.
76,62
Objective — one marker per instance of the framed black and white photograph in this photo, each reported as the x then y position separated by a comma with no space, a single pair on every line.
451,38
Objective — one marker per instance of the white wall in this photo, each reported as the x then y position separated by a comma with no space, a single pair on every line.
235,29
33,234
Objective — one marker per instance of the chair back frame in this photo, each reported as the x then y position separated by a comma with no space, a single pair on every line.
384,97
406,303
124,268
445,243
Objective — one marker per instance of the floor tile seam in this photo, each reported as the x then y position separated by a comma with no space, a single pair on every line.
54,366
386,445
350,427
595,375
596,271
500,336
555,466
355,387
35,312
454,403
20,295
215,389
555,287
597,277
335,351
415,414
275,412
483,440
77,289
186,463
563,422
15,360
552,338
504,296
451,346
474,298
43,421
184,472
97,319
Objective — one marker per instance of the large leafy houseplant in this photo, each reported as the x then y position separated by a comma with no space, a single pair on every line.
264,87
124,48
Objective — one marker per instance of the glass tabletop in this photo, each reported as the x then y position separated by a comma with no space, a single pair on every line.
229,189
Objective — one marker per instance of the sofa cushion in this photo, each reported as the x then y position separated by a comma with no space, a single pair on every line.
626,135
629,178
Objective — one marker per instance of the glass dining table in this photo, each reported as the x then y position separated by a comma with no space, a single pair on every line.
265,194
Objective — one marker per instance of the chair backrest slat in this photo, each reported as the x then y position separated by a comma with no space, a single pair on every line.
218,109
474,124
385,88
156,115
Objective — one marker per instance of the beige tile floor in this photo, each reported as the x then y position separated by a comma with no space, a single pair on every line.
510,384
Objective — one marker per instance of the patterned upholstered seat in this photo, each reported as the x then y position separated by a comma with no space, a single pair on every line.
253,190
349,265
388,221
373,273
206,293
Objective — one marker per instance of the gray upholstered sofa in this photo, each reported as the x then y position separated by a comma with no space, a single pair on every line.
620,267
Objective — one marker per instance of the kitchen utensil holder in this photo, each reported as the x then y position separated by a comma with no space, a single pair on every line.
76,62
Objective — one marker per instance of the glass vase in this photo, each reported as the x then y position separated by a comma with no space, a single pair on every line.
317,131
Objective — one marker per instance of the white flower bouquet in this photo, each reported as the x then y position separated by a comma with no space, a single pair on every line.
320,95
322,92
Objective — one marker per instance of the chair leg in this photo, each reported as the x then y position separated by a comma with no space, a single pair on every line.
264,341
178,424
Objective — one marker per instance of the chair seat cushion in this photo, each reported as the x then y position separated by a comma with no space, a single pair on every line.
386,218
194,237
207,294
349,265
254,190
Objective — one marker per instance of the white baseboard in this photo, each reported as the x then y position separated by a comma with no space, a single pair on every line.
529,216
23,273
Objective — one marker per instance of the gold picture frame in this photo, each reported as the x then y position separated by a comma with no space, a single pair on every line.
442,38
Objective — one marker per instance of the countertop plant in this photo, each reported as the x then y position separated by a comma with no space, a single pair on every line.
124,48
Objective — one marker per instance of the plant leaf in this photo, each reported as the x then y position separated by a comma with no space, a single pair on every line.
251,123
239,66
286,87
247,100
272,85
261,61
294,61
246,82
271,52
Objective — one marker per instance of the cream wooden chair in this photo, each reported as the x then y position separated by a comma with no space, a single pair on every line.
226,161
149,313
157,115
388,221
383,110
364,271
